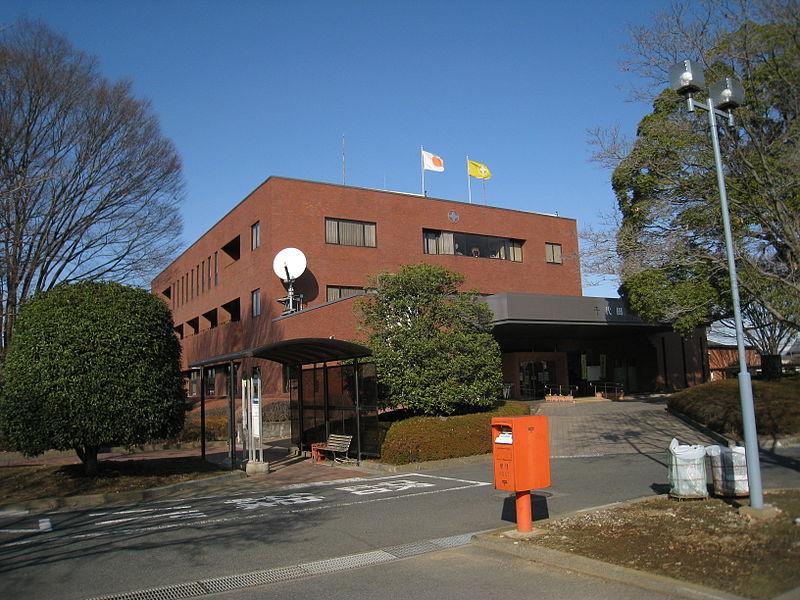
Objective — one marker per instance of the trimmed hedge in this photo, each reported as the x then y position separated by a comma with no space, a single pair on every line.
420,439
717,406
216,429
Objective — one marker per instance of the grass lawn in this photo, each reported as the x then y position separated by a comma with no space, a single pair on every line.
717,406
18,484
701,541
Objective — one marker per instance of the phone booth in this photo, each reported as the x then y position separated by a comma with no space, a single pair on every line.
521,458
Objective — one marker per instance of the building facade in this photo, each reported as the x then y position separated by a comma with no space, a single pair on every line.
225,296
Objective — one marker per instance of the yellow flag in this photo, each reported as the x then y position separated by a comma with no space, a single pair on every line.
478,170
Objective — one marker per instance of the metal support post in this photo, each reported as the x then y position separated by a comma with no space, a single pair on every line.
745,383
522,504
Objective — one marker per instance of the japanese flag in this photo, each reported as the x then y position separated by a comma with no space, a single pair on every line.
431,162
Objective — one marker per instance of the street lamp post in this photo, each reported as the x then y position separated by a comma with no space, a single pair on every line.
686,78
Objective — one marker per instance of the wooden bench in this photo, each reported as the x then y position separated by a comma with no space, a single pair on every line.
336,445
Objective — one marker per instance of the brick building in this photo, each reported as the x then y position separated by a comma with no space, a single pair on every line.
223,292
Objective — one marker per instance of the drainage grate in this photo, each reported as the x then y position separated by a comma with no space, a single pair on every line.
412,549
332,565
343,563
237,582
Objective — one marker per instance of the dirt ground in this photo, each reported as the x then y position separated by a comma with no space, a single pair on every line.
702,541
18,484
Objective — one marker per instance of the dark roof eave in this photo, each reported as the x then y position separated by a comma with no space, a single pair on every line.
300,351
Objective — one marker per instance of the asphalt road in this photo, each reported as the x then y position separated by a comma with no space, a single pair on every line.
246,528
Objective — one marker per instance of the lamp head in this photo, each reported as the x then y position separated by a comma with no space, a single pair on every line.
686,77
726,94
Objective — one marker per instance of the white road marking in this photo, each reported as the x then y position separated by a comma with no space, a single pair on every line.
269,501
292,499
133,511
44,526
385,487
180,514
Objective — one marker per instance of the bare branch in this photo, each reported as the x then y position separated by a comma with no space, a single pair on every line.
89,189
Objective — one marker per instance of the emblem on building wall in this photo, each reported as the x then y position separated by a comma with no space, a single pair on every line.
453,216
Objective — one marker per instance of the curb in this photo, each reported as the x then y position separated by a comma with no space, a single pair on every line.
430,465
46,504
718,437
589,566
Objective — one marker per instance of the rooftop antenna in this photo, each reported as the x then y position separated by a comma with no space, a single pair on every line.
288,265
344,163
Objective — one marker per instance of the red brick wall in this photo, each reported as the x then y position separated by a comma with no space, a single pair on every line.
292,213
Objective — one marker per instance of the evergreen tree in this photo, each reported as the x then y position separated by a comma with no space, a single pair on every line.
91,364
432,343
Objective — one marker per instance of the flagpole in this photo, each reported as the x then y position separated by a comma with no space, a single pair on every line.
469,182
422,167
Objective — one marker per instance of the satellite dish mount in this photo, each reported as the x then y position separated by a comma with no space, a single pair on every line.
288,265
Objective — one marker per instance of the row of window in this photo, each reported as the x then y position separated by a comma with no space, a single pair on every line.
345,232
194,282
470,244
232,310
362,233
228,312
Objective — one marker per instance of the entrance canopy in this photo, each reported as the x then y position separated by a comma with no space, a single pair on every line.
302,351
520,318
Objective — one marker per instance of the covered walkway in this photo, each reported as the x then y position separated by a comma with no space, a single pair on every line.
307,414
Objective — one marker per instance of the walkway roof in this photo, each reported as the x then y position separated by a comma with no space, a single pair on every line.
301,351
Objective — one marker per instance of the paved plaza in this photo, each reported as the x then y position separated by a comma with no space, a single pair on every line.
598,428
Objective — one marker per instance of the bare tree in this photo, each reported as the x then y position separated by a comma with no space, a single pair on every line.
89,188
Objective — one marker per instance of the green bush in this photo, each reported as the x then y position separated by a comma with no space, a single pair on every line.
435,438
717,405
91,365
216,429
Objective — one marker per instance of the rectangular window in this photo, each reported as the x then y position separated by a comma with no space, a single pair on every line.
552,253
350,233
255,235
211,381
471,244
287,376
194,325
342,291
209,272
194,383
233,248
255,302
216,269
233,310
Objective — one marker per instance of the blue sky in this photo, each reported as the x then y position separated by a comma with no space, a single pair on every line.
247,89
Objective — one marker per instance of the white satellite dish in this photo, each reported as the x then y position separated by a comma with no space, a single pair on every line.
289,264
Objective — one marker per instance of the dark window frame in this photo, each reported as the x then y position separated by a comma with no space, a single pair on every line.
473,245
349,232
553,253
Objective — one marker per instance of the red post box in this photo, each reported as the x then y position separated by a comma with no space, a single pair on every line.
521,452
